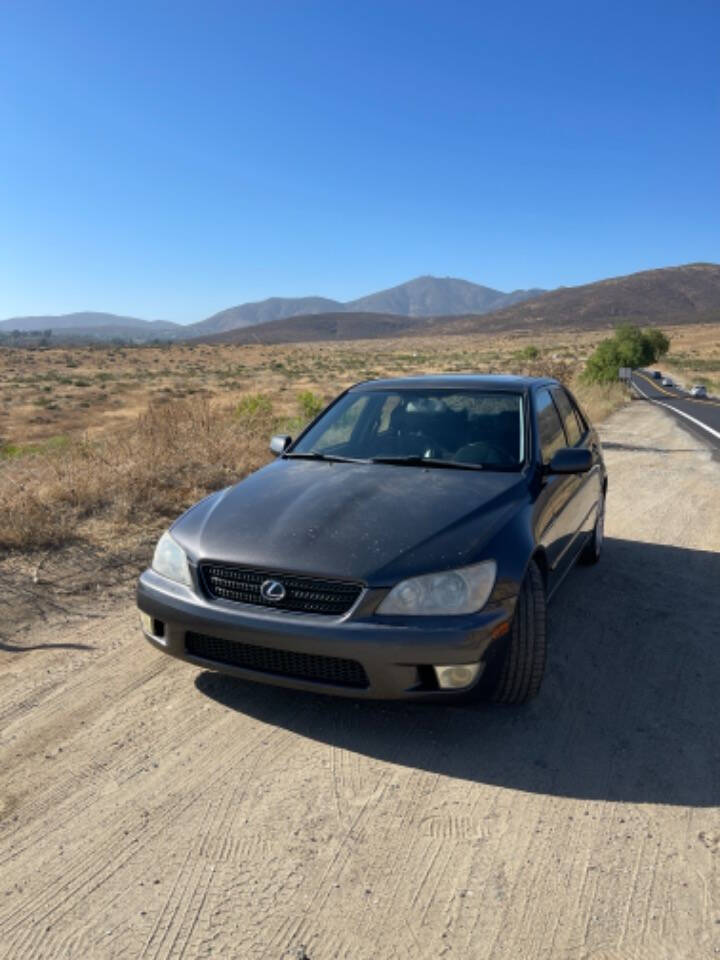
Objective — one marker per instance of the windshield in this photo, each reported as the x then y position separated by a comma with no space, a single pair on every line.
465,427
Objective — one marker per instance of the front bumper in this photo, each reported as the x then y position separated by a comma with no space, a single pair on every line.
396,653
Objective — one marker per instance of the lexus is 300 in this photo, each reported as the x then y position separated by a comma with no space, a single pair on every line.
405,545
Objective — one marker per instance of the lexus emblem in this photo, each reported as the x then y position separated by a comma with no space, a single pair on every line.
272,590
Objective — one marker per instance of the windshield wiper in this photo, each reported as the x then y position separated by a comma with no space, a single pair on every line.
414,460
314,455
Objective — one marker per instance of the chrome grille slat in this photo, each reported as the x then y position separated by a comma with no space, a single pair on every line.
302,594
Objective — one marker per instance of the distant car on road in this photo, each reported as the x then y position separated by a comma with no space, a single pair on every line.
404,546
667,382
699,390
656,374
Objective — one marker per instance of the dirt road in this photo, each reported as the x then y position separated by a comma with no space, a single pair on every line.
150,810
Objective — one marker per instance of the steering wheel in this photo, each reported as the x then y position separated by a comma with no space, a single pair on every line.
481,451
430,448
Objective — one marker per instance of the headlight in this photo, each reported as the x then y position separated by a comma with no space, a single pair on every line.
436,594
170,561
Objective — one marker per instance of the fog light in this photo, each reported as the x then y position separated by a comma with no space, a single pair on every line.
146,621
457,675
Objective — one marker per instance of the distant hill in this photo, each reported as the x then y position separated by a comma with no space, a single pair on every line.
100,326
438,296
325,326
264,311
686,294
421,297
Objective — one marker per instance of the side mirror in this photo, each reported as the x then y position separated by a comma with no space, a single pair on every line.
280,443
571,460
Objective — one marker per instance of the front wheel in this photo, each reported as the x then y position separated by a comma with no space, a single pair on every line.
521,672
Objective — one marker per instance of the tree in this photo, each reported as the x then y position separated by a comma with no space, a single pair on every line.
660,342
628,347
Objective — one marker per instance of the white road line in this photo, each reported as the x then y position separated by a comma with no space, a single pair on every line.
682,413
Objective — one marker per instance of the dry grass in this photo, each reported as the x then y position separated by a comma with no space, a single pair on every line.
695,357
600,400
117,471
62,393
102,490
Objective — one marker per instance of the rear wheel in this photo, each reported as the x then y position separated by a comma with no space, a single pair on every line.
590,553
521,672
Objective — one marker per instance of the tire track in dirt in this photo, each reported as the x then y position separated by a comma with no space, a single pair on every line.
217,820
80,874
56,734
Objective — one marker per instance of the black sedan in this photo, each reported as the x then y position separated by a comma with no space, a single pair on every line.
404,546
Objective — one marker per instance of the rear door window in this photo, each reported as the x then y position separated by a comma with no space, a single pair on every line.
582,422
569,418
550,428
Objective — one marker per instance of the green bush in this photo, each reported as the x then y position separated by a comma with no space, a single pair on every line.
530,352
310,404
11,451
628,347
255,406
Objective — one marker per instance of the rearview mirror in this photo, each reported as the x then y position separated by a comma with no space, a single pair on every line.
280,443
571,460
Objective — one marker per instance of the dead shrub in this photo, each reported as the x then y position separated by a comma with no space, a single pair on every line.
145,475
600,400
107,490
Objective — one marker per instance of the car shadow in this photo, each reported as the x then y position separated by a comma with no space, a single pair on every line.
628,711
635,448
17,648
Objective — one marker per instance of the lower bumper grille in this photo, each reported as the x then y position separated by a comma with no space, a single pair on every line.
284,663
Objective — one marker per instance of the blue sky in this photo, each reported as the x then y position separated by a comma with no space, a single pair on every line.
170,159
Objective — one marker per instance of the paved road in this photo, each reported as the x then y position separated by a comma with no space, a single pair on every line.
700,416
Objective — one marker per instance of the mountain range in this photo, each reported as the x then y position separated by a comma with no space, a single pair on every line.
428,305
686,294
421,297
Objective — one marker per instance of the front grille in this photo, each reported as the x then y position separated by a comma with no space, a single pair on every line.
302,594
284,663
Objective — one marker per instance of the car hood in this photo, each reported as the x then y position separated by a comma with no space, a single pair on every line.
369,522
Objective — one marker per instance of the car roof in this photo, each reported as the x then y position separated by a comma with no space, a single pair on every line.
457,381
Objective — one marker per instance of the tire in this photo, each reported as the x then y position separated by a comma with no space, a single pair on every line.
521,672
590,553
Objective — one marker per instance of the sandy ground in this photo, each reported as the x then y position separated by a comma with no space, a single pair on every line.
150,810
